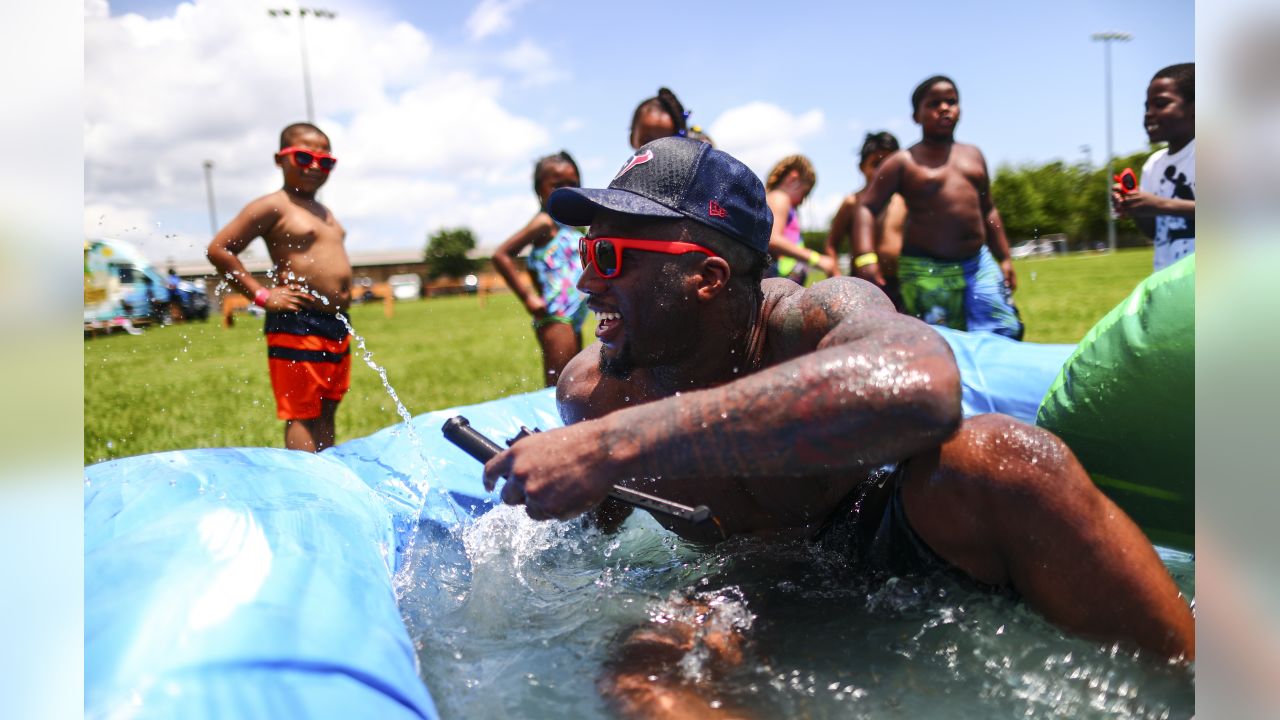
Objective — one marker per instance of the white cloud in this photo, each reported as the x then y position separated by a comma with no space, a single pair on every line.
95,9
760,133
819,208
491,17
532,64
418,144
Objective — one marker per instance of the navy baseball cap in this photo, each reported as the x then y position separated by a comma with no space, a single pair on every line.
676,177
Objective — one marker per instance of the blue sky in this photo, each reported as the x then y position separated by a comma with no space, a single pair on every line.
469,93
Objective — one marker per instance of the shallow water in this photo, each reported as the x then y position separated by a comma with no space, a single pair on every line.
514,618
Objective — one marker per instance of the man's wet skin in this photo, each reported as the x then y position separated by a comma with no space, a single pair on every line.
771,403
781,414
671,349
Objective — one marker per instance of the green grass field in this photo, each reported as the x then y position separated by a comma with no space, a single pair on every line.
198,385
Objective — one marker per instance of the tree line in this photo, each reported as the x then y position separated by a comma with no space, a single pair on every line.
1041,199
1034,200
1055,197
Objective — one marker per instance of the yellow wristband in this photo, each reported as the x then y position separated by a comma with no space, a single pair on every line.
866,259
815,258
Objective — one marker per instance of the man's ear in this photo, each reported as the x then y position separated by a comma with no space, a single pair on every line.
714,278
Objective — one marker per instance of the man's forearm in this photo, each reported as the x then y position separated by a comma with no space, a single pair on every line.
838,408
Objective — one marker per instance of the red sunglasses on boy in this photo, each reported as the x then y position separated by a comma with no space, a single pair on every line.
304,158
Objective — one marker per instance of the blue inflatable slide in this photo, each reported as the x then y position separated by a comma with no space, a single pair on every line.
258,582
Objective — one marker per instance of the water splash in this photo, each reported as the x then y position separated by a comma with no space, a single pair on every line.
546,604
422,474
424,481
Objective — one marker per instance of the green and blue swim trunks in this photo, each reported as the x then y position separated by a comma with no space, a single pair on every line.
965,295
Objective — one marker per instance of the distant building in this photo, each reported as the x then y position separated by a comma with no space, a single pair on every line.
370,270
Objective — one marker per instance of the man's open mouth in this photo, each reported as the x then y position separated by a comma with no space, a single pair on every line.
608,325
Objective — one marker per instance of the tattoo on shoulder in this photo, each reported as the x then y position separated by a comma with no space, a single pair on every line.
806,316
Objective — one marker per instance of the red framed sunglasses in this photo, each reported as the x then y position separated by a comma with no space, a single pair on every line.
605,253
304,158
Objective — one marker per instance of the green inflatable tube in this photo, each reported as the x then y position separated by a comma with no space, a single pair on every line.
1125,405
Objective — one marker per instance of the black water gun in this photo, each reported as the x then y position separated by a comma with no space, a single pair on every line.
458,431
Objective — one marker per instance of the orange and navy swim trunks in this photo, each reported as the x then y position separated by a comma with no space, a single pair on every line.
309,354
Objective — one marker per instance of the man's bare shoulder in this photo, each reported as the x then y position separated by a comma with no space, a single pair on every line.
799,318
834,297
585,392
582,388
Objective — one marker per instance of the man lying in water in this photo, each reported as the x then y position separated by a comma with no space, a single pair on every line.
778,405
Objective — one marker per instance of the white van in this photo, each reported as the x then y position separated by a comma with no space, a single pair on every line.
405,287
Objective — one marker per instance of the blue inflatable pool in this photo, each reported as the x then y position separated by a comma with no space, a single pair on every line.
257,582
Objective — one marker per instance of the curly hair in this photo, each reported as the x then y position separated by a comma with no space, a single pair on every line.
799,163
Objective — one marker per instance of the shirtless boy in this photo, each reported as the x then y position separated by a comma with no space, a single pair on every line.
308,347
955,268
777,405
876,148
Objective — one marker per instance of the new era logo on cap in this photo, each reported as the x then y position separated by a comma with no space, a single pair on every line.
714,210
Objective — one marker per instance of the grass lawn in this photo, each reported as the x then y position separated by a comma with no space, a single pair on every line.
1061,298
198,385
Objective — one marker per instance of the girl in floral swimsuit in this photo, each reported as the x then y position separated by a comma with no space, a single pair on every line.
551,293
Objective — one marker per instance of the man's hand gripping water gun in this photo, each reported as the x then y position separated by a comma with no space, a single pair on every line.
559,489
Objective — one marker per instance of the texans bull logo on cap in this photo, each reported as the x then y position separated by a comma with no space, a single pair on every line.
639,158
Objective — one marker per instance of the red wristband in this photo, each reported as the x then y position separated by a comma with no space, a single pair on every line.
260,297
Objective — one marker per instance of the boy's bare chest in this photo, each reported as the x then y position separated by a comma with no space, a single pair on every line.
958,174
301,230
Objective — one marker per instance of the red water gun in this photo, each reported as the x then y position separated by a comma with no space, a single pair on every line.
1128,181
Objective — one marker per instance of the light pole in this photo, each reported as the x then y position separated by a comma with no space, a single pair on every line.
302,37
208,187
1106,38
